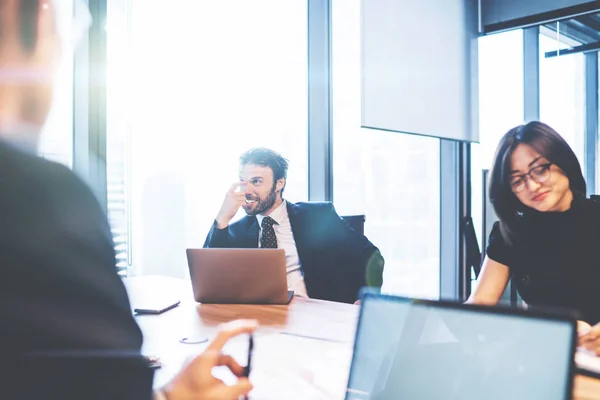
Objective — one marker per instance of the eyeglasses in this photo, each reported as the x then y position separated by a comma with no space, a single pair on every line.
539,174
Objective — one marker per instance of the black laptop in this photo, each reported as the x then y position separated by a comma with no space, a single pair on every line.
417,349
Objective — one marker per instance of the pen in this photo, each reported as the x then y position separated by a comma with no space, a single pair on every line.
250,348
249,363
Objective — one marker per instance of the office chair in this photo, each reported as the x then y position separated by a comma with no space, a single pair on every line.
474,259
356,222
374,270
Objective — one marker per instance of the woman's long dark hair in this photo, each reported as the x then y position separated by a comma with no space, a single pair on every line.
548,143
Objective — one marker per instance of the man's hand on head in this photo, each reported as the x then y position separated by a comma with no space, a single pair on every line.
234,199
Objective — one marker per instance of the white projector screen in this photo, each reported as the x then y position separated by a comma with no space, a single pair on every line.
419,67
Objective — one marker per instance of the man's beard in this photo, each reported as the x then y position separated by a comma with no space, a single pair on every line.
263,205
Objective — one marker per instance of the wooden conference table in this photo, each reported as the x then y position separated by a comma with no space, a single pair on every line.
302,351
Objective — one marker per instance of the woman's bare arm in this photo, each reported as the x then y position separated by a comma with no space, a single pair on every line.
491,283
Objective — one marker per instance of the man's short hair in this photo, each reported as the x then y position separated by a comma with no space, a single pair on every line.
28,22
267,158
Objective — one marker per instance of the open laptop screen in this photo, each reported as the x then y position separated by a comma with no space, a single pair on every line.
408,349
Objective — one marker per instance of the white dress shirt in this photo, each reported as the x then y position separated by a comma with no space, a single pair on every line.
285,241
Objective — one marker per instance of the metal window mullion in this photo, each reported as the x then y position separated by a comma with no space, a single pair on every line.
531,74
320,145
449,220
591,120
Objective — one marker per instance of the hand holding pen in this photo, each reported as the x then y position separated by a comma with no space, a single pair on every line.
249,362
196,380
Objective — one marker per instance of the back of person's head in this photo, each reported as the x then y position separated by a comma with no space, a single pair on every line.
549,144
19,24
29,55
267,158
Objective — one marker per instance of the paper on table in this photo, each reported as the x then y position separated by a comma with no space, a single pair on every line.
283,366
586,360
285,384
317,327
290,367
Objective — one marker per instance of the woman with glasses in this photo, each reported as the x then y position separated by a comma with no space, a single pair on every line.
547,238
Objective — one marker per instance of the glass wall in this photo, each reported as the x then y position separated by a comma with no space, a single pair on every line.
392,178
206,81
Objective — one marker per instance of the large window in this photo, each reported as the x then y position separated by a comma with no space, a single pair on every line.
120,103
501,100
56,141
562,89
392,178
500,109
204,81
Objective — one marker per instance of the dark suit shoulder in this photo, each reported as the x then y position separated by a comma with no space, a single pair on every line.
311,207
242,223
28,165
32,176
241,226
40,193
58,261
313,204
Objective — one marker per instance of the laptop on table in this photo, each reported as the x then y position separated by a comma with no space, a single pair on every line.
239,276
417,349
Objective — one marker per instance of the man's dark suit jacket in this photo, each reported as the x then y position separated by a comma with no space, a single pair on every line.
59,289
336,260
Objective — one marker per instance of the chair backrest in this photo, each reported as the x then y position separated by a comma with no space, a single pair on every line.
473,254
356,222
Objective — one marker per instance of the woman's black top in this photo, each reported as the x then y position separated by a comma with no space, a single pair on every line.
555,262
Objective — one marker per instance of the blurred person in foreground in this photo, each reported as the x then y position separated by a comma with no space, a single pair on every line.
60,291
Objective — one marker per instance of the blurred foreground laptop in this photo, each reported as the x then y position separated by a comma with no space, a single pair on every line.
239,276
416,349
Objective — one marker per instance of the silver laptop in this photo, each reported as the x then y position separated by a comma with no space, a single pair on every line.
415,349
239,276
